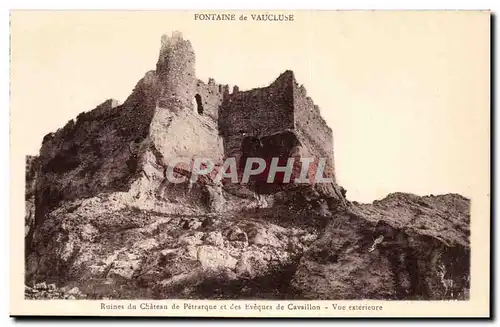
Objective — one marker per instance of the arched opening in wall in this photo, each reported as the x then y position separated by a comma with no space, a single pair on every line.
199,104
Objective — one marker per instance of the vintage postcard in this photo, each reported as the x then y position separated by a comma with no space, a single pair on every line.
250,163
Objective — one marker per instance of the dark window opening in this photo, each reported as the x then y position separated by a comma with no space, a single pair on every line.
199,104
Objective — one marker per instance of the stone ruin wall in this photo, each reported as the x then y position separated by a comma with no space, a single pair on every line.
211,97
313,132
270,111
255,113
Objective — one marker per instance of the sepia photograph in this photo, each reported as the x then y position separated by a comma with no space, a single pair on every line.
194,163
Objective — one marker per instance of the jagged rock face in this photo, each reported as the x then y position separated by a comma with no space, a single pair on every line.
422,251
30,180
109,249
99,152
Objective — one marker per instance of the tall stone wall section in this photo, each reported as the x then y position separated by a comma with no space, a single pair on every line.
256,113
312,130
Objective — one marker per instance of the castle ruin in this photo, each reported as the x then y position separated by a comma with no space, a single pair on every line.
172,114
280,111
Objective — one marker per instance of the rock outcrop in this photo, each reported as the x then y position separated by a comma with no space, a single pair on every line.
422,251
103,218
109,249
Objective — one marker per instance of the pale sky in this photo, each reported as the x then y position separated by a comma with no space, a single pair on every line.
406,93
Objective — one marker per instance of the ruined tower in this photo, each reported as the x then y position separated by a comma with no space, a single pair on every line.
176,72
185,121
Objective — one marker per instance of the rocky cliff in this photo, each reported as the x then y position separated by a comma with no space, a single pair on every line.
103,220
